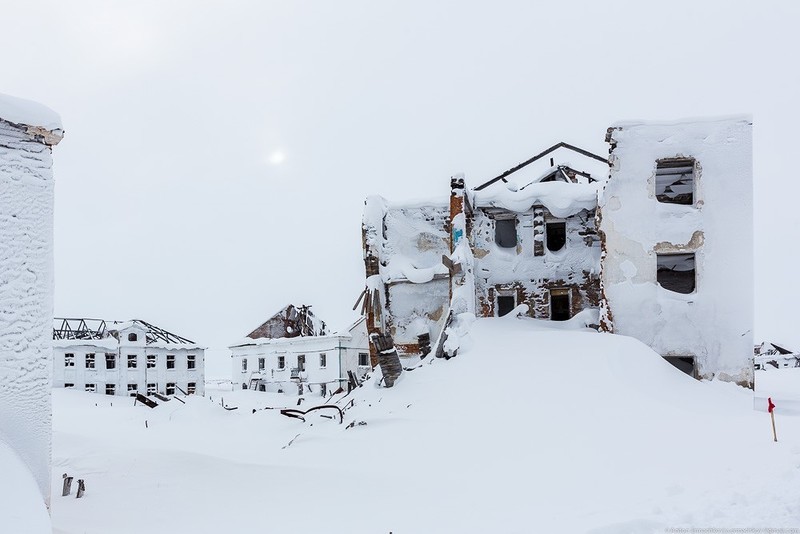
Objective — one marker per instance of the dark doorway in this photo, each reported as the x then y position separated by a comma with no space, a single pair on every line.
684,363
559,305
556,235
504,305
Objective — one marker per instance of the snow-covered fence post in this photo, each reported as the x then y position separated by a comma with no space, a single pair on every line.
81,489
388,359
771,410
67,488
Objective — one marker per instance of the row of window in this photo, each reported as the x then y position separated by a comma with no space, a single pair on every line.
133,389
363,360
133,361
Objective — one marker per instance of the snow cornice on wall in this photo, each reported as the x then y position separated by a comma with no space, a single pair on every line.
37,120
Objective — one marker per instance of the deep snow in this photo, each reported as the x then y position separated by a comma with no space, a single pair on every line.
529,429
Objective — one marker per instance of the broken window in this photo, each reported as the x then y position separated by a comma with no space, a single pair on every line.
151,361
683,363
111,389
151,388
133,389
191,388
244,365
90,388
281,362
559,305
111,360
363,359
132,337
323,360
556,232
131,361
675,181
69,360
675,272
170,361
505,232
191,361
301,362
261,364
90,360
170,388
505,303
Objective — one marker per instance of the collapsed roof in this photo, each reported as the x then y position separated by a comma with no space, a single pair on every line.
97,329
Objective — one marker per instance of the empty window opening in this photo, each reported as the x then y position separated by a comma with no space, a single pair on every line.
151,361
191,388
301,362
556,235
281,362
111,360
505,232
244,365
262,364
505,303
68,385
111,389
90,361
132,337
676,272
131,361
323,360
559,305
675,181
191,361
69,360
683,363
90,388
363,359
133,389
170,361
170,388
151,388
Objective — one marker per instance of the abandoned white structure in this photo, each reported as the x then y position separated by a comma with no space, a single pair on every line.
125,358
646,249
28,131
294,353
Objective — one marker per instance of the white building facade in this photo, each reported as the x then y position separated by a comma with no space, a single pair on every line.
301,365
677,230
125,359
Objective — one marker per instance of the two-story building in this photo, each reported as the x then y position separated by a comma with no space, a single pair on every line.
125,358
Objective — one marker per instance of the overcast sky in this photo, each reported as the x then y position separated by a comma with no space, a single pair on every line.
217,154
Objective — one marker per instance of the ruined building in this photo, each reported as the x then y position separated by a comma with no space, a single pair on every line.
637,243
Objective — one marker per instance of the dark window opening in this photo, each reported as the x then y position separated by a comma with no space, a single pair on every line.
68,385
683,363
556,235
190,361
323,360
505,303
363,359
133,389
244,386
301,362
559,305
151,361
111,361
170,361
675,181
505,232
170,390
151,388
191,388
90,387
111,389
262,364
132,361
132,337
675,272
281,362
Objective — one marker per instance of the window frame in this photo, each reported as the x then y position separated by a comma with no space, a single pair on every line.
170,362
134,359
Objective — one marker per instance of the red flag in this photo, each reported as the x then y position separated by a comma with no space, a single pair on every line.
771,406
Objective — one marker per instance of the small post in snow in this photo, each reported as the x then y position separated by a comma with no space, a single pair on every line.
67,488
81,489
771,410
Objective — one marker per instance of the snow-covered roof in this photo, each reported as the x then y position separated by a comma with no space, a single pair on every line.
562,199
27,113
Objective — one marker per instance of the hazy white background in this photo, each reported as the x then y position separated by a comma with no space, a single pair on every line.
217,154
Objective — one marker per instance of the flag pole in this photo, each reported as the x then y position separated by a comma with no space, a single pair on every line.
771,409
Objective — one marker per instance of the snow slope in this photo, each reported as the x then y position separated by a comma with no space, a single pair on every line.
529,429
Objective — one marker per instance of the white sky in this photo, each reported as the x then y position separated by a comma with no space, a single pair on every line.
217,155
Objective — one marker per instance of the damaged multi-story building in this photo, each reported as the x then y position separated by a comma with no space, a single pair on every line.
637,243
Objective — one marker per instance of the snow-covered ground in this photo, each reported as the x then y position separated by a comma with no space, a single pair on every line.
529,429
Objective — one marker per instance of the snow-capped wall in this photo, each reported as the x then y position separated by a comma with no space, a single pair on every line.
26,281
713,322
